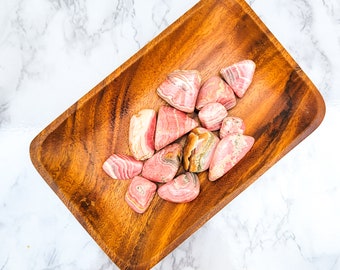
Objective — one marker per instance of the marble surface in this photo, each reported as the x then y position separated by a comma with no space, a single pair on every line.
52,52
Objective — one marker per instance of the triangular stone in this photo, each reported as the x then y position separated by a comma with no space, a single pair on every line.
180,89
239,76
171,125
229,151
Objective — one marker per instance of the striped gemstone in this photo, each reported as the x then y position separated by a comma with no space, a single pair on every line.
140,194
171,125
215,90
229,151
184,188
180,89
142,133
239,76
122,166
163,166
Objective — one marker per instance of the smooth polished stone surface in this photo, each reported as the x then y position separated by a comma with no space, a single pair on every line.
53,52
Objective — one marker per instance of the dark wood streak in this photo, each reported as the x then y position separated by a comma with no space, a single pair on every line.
280,109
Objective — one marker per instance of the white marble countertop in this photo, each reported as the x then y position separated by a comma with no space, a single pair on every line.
53,52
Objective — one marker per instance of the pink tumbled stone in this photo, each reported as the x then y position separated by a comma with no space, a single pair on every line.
232,124
229,151
180,89
212,115
142,134
184,188
239,76
163,166
215,90
140,193
171,125
122,166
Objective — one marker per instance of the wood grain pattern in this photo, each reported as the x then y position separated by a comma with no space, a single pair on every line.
280,109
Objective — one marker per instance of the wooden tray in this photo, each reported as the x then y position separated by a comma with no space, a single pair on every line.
280,109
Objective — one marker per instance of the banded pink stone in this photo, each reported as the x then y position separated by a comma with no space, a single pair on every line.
120,166
199,149
184,188
239,76
229,151
212,115
142,134
163,166
232,124
171,125
180,89
140,193
215,90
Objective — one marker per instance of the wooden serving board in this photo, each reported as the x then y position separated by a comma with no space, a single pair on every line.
280,109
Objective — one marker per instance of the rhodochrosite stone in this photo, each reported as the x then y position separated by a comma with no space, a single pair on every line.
140,194
239,76
199,149
122,166
232,124
180,89
171,125
163,166
230,150
142,133
215,90
184,188
212,115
